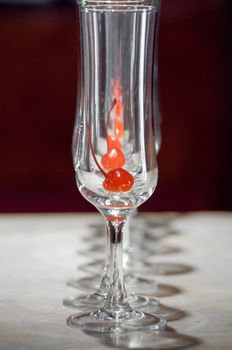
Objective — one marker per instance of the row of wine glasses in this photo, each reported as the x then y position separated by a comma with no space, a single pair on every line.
114,145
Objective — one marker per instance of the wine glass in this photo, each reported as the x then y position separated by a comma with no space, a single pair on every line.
136,249
113,139
116,168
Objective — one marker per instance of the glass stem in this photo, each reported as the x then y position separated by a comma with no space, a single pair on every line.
116,304
126,242
126,233
102,290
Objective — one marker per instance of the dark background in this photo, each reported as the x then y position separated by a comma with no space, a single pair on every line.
38,80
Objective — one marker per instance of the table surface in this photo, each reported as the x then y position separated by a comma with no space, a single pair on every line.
40,252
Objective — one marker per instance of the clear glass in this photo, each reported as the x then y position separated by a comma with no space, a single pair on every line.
114,146
140,223
84,301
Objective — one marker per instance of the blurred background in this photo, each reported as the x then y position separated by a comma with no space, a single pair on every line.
38,85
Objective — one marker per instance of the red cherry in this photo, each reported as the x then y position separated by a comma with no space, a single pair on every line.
113,159
118,108
118,180
117,88
117,219
113,142
118,127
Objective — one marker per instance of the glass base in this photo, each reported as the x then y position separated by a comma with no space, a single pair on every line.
132,281
142,266
85,302
148,287
101,321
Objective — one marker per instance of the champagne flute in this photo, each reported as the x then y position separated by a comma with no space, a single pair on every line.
114,138
116,168
129,249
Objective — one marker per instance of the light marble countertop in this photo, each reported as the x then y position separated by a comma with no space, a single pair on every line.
38,254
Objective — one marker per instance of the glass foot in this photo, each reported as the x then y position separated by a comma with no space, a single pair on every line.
148,287
142,266
101,321
133,282
85,302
